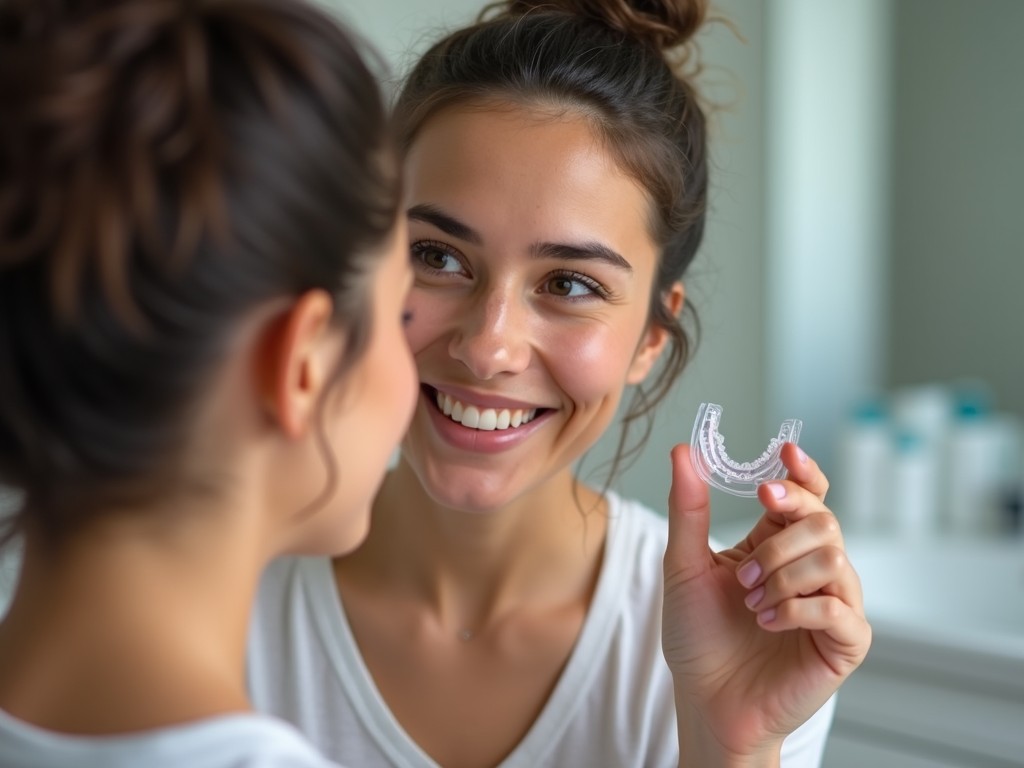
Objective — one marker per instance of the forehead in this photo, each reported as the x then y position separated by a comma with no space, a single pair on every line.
528,169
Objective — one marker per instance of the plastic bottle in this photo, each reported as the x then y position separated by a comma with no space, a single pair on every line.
913,486
865,452
982,456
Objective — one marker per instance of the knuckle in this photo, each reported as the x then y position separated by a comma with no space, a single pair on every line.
831,609
826,525
833,558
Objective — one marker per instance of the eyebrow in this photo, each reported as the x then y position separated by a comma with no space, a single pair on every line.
448,224
590,251
585,251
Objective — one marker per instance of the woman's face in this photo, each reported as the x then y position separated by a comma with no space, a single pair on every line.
533,272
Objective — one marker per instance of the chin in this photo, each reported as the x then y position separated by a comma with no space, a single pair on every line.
470,498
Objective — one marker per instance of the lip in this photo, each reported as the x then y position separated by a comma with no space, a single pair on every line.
477,440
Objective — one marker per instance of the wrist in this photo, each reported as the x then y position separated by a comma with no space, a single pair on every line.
701,747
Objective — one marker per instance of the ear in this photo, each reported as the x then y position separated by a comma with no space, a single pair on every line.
296,356
655,337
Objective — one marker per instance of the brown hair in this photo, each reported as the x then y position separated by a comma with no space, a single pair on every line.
165,168
627,66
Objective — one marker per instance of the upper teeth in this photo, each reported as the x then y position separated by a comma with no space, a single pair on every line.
483,418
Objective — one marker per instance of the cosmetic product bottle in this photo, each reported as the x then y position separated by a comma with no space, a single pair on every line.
865,452
982,455
913,486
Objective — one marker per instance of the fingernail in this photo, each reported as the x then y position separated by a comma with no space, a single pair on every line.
748,573
754,597
800,455
766,617
778,490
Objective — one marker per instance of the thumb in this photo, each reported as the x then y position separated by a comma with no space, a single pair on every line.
687,554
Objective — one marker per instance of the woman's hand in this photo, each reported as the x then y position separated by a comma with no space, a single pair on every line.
758,637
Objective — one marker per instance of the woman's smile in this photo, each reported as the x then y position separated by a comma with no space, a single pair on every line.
481,424
482,417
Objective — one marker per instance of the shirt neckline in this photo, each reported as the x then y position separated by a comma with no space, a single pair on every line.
569,692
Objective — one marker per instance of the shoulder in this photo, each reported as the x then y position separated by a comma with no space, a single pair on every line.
267,742
231,741
636,521
636,546
249,741
292,587
647,527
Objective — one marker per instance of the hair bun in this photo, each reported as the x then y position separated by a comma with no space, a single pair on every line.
665,24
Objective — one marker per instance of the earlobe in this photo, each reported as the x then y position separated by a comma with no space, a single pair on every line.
295,361
655,337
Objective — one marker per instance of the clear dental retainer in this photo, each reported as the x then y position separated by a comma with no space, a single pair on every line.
715,467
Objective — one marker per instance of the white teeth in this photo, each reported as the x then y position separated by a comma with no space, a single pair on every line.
487,419
471,417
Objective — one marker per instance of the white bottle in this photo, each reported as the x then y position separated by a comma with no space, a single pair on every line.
982,454
913,486
865,452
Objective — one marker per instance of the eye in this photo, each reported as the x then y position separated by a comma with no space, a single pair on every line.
435,257
573,285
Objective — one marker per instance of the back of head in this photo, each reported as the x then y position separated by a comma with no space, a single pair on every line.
628,67
166,168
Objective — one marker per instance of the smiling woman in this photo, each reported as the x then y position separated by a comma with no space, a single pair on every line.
523,298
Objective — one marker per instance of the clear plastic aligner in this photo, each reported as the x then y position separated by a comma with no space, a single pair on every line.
707,453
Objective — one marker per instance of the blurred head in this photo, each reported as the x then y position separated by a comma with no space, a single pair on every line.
193,196
614,70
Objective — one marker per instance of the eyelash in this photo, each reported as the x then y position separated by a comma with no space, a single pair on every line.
420,247
590,283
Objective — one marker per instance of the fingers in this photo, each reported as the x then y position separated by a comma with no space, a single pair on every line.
803,559
825,571
845,635
804,470
689,519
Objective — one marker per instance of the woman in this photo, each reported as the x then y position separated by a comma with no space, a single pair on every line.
202,285
501,612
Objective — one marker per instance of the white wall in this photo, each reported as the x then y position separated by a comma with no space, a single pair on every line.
958,204
826,197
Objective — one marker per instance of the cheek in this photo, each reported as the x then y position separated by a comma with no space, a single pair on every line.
591,363
428,317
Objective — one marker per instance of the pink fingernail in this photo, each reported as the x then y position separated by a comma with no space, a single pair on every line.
749,573
778,490
754,598
800,455
766,617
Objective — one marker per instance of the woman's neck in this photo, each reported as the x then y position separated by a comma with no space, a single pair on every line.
471,568
130,626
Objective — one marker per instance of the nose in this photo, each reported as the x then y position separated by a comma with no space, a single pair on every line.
492,336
